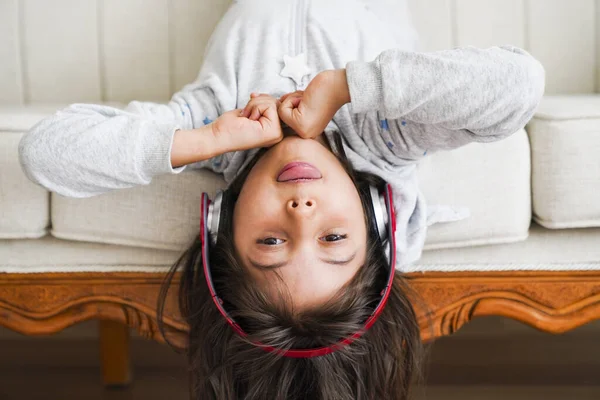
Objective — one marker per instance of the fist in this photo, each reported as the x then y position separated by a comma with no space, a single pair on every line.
257,125
308,112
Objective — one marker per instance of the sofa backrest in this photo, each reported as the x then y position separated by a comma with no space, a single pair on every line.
108,50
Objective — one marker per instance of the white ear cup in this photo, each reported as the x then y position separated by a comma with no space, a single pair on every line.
381,215
214,216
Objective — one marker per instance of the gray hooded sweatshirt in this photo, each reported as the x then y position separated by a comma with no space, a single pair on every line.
405,104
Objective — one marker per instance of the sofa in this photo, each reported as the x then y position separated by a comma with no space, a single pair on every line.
529,250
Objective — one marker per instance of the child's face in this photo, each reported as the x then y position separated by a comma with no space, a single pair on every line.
312,233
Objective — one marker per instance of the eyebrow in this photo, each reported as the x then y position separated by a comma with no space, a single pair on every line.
283,264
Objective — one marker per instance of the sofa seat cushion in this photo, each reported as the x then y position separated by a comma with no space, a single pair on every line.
49,254
24,206
544,250
162,215
491,180
565,146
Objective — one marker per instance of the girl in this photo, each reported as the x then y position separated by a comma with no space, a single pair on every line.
298,261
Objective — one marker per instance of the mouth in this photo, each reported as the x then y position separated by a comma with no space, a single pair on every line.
297,172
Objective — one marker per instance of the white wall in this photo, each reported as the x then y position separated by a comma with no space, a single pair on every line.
84,50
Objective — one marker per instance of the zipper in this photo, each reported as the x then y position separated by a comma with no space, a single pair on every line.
297,38
299,27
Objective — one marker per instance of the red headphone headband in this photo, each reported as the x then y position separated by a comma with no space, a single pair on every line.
320,351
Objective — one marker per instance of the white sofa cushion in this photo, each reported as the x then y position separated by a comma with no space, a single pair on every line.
162,215
49,254
544,250
565,146
24,206
492,180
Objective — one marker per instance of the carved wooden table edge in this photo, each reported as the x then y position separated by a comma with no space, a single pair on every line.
550,301
555,302
46,303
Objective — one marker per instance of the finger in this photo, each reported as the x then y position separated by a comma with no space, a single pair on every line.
292,101
269,111
250,106
251,103
254,95
246,111
266,107
261,98
255,114
293,96
285,96
271,123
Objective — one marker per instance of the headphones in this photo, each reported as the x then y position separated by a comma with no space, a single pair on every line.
385,221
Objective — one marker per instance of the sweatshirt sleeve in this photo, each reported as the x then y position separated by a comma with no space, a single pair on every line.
86,149
442,100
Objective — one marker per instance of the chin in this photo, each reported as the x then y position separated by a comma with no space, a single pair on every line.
294,148
297,141
295,144
292,138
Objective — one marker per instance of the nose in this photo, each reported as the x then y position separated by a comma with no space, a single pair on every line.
301,206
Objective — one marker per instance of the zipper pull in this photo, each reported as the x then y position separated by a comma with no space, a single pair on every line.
295,68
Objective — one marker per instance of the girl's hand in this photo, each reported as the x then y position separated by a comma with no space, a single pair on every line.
308,112
234,130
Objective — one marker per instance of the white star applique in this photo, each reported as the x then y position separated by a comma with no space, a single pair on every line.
295,68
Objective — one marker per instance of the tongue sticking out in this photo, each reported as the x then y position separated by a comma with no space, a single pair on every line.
298,171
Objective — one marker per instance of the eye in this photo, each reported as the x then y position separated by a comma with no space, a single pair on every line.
334,238
270,241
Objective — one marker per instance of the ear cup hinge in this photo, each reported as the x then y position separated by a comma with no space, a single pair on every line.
379,208
214,216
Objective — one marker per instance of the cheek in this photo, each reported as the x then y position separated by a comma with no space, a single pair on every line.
343,195
346,205
255,205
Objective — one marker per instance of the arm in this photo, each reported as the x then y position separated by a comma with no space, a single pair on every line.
192,146
422,102
85,149
445,99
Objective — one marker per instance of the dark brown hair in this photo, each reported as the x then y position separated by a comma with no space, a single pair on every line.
382,364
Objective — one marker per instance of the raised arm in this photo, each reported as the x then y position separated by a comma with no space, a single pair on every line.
414,103
445,99
85,149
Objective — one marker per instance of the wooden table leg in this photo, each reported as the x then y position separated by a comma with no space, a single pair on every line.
114,353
